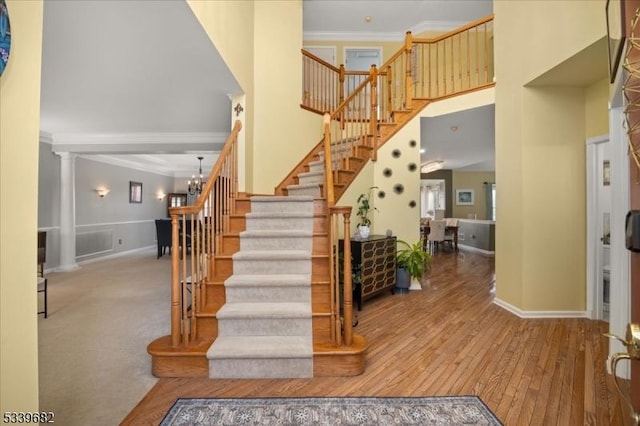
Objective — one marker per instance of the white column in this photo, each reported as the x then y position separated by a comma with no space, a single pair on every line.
67,212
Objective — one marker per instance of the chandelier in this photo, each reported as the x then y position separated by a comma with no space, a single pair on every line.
194,186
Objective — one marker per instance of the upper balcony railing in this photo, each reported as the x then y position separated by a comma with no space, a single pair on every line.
453,63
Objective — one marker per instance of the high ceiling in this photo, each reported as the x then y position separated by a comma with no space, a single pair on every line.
116,74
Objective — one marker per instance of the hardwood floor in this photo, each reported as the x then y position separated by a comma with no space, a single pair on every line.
450,339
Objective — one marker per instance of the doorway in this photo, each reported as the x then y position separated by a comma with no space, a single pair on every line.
359,59
599,227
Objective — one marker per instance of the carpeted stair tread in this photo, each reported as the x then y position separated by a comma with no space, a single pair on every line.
261,347
302,185
277,198
271,255
275,233
264,310
269,280
288,215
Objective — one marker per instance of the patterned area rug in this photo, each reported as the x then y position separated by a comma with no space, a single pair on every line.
443,410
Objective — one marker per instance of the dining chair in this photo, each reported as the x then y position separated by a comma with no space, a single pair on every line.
449,234
436,234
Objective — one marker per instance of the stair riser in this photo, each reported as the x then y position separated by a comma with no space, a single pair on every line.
273,243
264,326
316,167
261,368
282,206
312,192
231,244
224,267
279,266
278,223
251,294
304,179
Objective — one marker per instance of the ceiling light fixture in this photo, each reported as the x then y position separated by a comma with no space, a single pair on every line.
367,19
194,186
431,166
454,128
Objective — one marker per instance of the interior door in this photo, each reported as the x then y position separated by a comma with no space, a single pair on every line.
599,207
603,215
360,59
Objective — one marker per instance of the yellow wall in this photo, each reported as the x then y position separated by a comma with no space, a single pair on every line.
229,25
597,113
265,59
395,213
540,153
19,129
471,180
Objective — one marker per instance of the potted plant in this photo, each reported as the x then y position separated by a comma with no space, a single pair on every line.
412,262
364,207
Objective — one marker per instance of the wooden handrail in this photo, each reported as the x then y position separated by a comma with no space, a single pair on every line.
423,68
196,233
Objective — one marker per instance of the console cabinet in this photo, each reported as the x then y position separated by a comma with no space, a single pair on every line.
375,260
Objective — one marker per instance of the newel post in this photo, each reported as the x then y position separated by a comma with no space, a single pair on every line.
348,291
373,116
175,282
408,45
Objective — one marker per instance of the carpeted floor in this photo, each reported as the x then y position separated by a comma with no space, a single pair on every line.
445,410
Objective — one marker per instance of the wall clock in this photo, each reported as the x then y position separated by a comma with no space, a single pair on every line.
5,36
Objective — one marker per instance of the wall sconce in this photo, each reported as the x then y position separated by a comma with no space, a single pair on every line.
160,195
102,192
431,166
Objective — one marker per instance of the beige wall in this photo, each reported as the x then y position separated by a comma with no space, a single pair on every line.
244,33
19,128
229,25
540,153
474,181
596,109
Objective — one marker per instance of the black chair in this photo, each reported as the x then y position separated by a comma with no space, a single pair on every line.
41,280
163,235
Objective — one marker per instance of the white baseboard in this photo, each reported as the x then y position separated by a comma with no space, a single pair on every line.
477,250
119,254
539,314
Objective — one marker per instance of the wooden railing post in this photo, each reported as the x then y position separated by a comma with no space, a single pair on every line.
373,116
348,292
341,79
389,108
328,161
175,282
408,82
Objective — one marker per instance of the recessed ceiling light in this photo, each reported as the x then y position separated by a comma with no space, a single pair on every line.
454,128
367,19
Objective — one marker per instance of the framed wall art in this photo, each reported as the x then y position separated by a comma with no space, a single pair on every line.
464,197
135,192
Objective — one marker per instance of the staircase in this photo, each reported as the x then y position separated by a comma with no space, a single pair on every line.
265,326
259,277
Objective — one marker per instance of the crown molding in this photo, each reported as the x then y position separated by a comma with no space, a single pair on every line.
134,165
46,137
351,36
381,36
138,138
